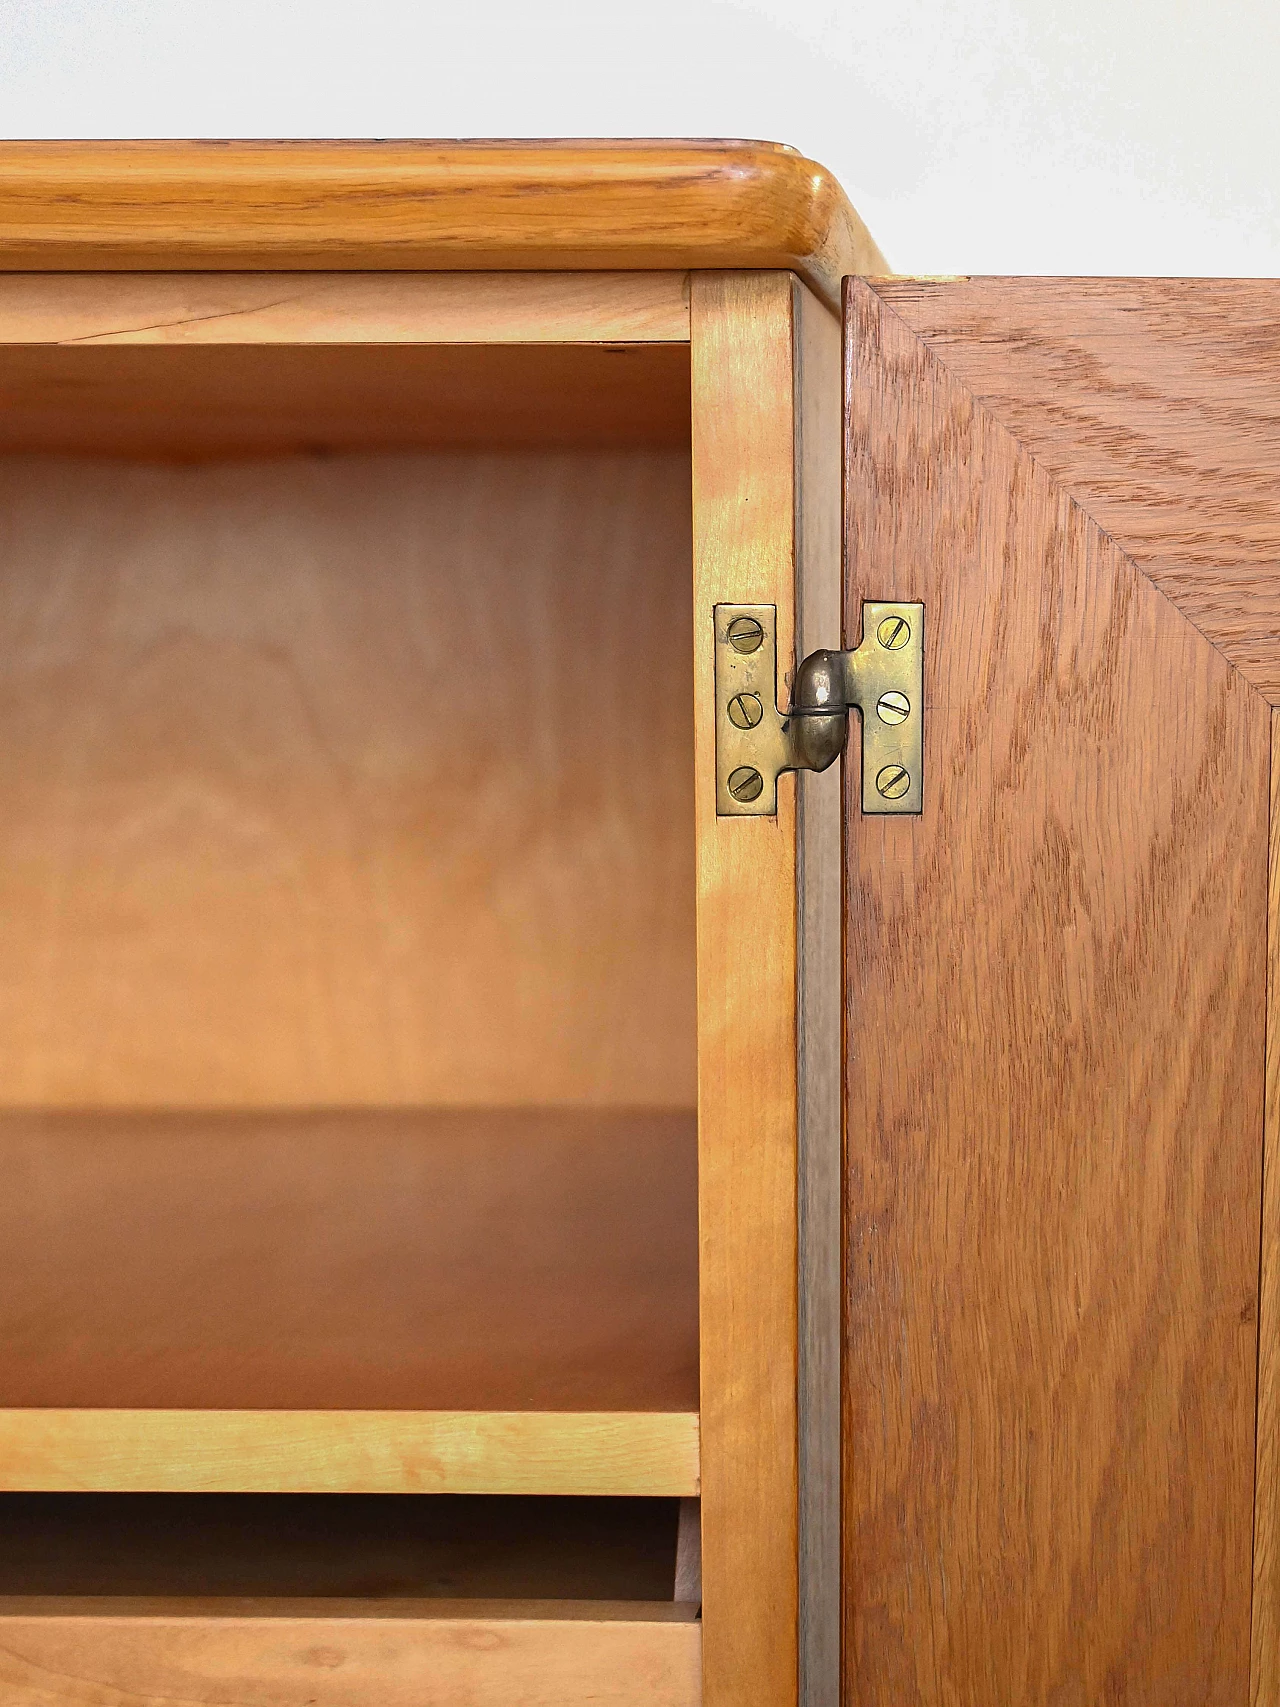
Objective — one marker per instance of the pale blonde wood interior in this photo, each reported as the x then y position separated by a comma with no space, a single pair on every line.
188,401
354,781
607,1454
344,308
69,1652
347,1007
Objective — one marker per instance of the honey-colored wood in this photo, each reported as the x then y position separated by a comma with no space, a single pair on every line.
1156,403
343,308
1266,1535
190,402
818,596
744,507
1055,1015
639,1453
426,206
301,803
68,1653
421,1260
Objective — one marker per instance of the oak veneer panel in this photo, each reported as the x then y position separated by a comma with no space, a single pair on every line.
1266,1537
187,402
426,1260
342,308
298,801
1156,403
1055,1011
426,206
287,1654
744,490
619,1454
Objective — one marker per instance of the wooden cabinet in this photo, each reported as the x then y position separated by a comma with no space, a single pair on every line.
428,1268
403,1094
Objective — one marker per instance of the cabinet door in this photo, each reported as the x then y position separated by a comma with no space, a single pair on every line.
1060,1074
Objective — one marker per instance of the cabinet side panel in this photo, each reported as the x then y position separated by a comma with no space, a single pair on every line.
744,551
818,585
1266,1538
1055,1012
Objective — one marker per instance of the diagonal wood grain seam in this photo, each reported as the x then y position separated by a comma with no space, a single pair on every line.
1271,1636
910,1534
984,408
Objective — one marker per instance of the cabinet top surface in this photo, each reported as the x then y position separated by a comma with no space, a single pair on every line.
427,206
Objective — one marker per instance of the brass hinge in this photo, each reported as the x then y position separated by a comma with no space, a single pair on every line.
884,679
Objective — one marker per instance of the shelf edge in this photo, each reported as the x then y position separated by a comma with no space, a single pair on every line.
604,1453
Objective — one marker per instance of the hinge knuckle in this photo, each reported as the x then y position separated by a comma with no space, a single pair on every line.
883,679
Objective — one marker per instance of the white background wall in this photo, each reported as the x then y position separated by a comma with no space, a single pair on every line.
1025,136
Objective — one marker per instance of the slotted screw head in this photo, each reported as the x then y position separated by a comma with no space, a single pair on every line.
893,707
745,711
746,784
893,633
745,634
892,782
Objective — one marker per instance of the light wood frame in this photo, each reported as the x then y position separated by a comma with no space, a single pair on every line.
765,365
346,1654
766,526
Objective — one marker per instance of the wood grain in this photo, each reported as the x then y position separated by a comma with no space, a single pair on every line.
423,1260
744,503
1055,1018
262,846
624,1453
1265,1688
1156,404
343,308
426,206
191,402
476,1654
820,982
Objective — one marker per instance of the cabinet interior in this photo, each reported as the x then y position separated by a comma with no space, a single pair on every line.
337,1546
347,1007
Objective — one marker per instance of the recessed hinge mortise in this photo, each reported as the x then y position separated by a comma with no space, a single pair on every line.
883,679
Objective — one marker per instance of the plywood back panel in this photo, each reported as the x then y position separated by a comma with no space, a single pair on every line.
427,1260
184,402
350,780
1055,1022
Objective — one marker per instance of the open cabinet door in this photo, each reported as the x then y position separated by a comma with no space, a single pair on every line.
1056,1253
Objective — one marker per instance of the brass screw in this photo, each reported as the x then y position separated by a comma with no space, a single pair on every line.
893,707
893,782
745,634
893,633
745,711
746,784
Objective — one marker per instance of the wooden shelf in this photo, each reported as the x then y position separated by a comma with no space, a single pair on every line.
262,1653
614,1453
